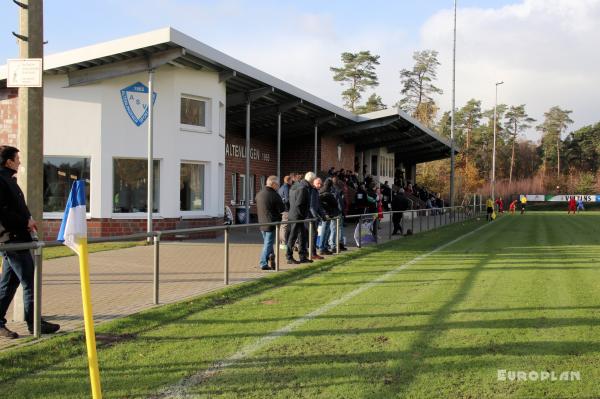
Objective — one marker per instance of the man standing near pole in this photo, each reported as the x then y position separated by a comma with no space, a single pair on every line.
17,266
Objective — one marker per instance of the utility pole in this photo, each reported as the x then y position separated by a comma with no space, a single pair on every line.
31,118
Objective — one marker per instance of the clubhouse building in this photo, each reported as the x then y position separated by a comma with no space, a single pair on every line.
220,127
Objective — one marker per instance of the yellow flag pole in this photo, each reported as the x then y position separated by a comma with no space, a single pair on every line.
90,335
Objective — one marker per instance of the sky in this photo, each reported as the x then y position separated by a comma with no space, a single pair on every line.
546,51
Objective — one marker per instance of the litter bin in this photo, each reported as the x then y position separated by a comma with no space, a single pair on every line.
240,215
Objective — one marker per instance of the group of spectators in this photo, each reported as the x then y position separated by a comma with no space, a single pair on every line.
336,193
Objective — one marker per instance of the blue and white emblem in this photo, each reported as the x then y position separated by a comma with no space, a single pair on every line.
135,100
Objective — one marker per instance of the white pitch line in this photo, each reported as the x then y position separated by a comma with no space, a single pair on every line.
179,390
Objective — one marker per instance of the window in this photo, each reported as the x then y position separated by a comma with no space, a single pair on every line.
191,186
130,188
242,189
221,119
263,180
193,112
59,175
233,188
252,186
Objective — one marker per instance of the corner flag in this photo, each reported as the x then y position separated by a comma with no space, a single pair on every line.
73,233
73,229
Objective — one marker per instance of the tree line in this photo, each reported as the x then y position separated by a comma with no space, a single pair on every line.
561,161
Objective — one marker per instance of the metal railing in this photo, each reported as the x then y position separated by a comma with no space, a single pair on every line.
446,215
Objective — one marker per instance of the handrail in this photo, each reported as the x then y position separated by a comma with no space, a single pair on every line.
37,246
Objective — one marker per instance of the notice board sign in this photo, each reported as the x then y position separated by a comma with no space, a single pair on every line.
24,72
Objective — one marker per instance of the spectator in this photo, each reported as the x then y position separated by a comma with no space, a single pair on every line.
284,193
17,265
269,206
299,210
399,204
386,190
316,212
329,204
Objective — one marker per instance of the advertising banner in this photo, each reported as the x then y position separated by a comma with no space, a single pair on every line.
562,198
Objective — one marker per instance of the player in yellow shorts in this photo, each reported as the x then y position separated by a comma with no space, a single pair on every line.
523,203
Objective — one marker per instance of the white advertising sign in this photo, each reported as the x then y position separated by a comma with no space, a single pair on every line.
24,72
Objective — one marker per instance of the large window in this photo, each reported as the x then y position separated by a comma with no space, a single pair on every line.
233,188
130,188
59,175
191,186
193,112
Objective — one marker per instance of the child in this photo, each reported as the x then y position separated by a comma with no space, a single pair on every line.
512,206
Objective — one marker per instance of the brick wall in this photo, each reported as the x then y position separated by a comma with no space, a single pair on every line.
297,155
329,154
9,116
258,167
106,227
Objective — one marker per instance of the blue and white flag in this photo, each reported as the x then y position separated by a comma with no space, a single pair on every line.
73,230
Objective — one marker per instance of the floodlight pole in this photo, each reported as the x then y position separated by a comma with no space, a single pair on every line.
452,113
494,148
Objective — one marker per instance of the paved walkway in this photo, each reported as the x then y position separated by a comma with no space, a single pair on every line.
121,280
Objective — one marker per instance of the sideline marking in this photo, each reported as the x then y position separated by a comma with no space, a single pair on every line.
179,390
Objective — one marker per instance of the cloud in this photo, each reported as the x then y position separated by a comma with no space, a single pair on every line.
544,50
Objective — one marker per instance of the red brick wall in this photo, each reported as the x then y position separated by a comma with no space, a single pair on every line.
258,167
106,227
297,155
9,116
329,155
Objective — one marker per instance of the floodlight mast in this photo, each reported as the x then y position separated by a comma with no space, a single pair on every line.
494,147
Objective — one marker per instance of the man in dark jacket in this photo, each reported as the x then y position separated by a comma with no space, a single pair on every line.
399,204
299,210
269,207
284,193
17,266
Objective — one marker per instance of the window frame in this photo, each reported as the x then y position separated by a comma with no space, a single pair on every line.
184,127
134,215
205,204
60,214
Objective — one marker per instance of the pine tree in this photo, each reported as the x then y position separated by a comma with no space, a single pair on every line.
374,103
517,120
418,87
358,73
556,121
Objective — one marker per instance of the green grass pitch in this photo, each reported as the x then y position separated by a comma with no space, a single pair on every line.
521,294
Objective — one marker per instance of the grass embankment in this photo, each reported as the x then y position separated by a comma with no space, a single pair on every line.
521,294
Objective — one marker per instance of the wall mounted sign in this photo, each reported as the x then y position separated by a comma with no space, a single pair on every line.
135,101
24,72
239,151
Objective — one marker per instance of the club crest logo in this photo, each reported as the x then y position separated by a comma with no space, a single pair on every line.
135,100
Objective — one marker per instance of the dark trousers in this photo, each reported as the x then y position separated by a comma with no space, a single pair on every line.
397,220
297,232
16,268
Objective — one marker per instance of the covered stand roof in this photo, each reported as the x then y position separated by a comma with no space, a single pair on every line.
268,95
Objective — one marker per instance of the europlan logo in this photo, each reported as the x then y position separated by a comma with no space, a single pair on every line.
533,375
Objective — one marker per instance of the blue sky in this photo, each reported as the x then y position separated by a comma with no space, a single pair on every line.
71,24
512,40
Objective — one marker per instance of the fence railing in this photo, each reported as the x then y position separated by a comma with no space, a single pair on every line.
438,216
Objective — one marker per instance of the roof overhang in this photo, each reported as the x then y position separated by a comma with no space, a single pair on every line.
399,133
